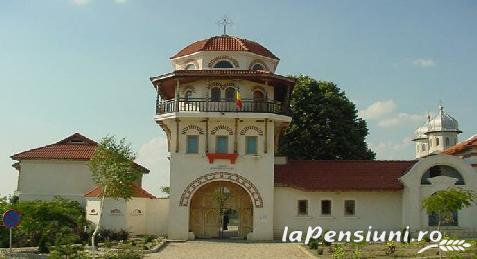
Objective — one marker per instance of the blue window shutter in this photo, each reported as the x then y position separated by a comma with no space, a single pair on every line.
192,145
251,145
222,145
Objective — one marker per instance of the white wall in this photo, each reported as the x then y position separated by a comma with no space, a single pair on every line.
138,216
381,210
45,179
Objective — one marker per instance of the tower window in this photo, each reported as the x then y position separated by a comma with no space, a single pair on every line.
447,142
223,64
423,147
192,144
215,94
437,142
325,207
222,144
258,67
303,207
230,94
190,67
349,207
188,96
251,145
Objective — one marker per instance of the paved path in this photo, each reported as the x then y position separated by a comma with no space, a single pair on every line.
230,249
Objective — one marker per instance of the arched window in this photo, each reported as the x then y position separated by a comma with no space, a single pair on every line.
258,96
190,66
188,96
423,147
223,64
258,66
447,142
215,94
442,170
230,94
437,142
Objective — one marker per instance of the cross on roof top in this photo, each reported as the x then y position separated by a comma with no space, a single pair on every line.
224,21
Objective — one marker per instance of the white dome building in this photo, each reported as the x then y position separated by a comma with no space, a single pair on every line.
438,134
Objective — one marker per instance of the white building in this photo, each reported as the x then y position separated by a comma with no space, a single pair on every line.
223,109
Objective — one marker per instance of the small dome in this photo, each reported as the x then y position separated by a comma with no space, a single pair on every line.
225,43
443,122
420,133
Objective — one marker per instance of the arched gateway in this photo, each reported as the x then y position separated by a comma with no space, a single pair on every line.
221,209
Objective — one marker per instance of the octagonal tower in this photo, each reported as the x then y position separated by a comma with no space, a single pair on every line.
223,109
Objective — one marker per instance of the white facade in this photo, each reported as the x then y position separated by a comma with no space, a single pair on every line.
45,179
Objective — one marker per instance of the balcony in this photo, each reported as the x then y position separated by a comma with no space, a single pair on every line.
207,105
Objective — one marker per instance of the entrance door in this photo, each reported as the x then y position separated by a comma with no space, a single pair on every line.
206,219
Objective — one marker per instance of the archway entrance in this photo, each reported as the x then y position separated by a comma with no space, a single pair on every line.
221,210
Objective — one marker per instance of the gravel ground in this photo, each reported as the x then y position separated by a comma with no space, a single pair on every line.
229,249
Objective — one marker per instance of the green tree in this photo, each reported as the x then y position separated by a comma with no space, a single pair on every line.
166,190
446,202
114,172
325,124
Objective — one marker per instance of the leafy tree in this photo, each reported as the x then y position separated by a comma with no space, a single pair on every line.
446,202
114,172
44,221
166,190
325,124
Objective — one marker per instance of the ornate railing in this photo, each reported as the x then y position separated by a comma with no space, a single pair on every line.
207,105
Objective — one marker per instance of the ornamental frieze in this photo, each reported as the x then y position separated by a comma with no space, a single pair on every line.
222,127
251,127
192,127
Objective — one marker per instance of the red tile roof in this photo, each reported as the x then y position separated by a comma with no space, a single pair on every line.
74,147
468,144
225,43
342,175
138,192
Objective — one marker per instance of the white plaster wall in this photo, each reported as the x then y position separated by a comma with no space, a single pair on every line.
203,58
414,193
185,168
113,221
157,216
45,179
381,210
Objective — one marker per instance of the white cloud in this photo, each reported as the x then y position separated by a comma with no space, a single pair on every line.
378,109
401,119
390,150
154,156
81,2
423,62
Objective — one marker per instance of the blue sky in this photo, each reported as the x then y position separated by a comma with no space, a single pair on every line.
83,66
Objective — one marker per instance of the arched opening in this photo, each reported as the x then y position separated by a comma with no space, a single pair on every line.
258,66
221,209
442,170
258,101
215,94
188,96
223,64
190,66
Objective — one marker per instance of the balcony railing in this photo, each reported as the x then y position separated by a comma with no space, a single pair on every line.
207,105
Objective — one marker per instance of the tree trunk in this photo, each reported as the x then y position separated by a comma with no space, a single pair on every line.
98,226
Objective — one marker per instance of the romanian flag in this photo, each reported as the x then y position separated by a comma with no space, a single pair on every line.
238,100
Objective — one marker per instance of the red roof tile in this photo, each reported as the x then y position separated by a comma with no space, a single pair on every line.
342,175
138,192
462,146
225,43
74,147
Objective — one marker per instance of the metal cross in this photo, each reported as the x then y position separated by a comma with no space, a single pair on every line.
224,21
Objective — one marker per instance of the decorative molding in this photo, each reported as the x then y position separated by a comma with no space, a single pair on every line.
213,156
219,127
219,58
192,127
221,176
251,127
221,84
190,61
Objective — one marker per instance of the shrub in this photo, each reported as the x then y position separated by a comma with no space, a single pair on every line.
339,252
149,238
313,244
